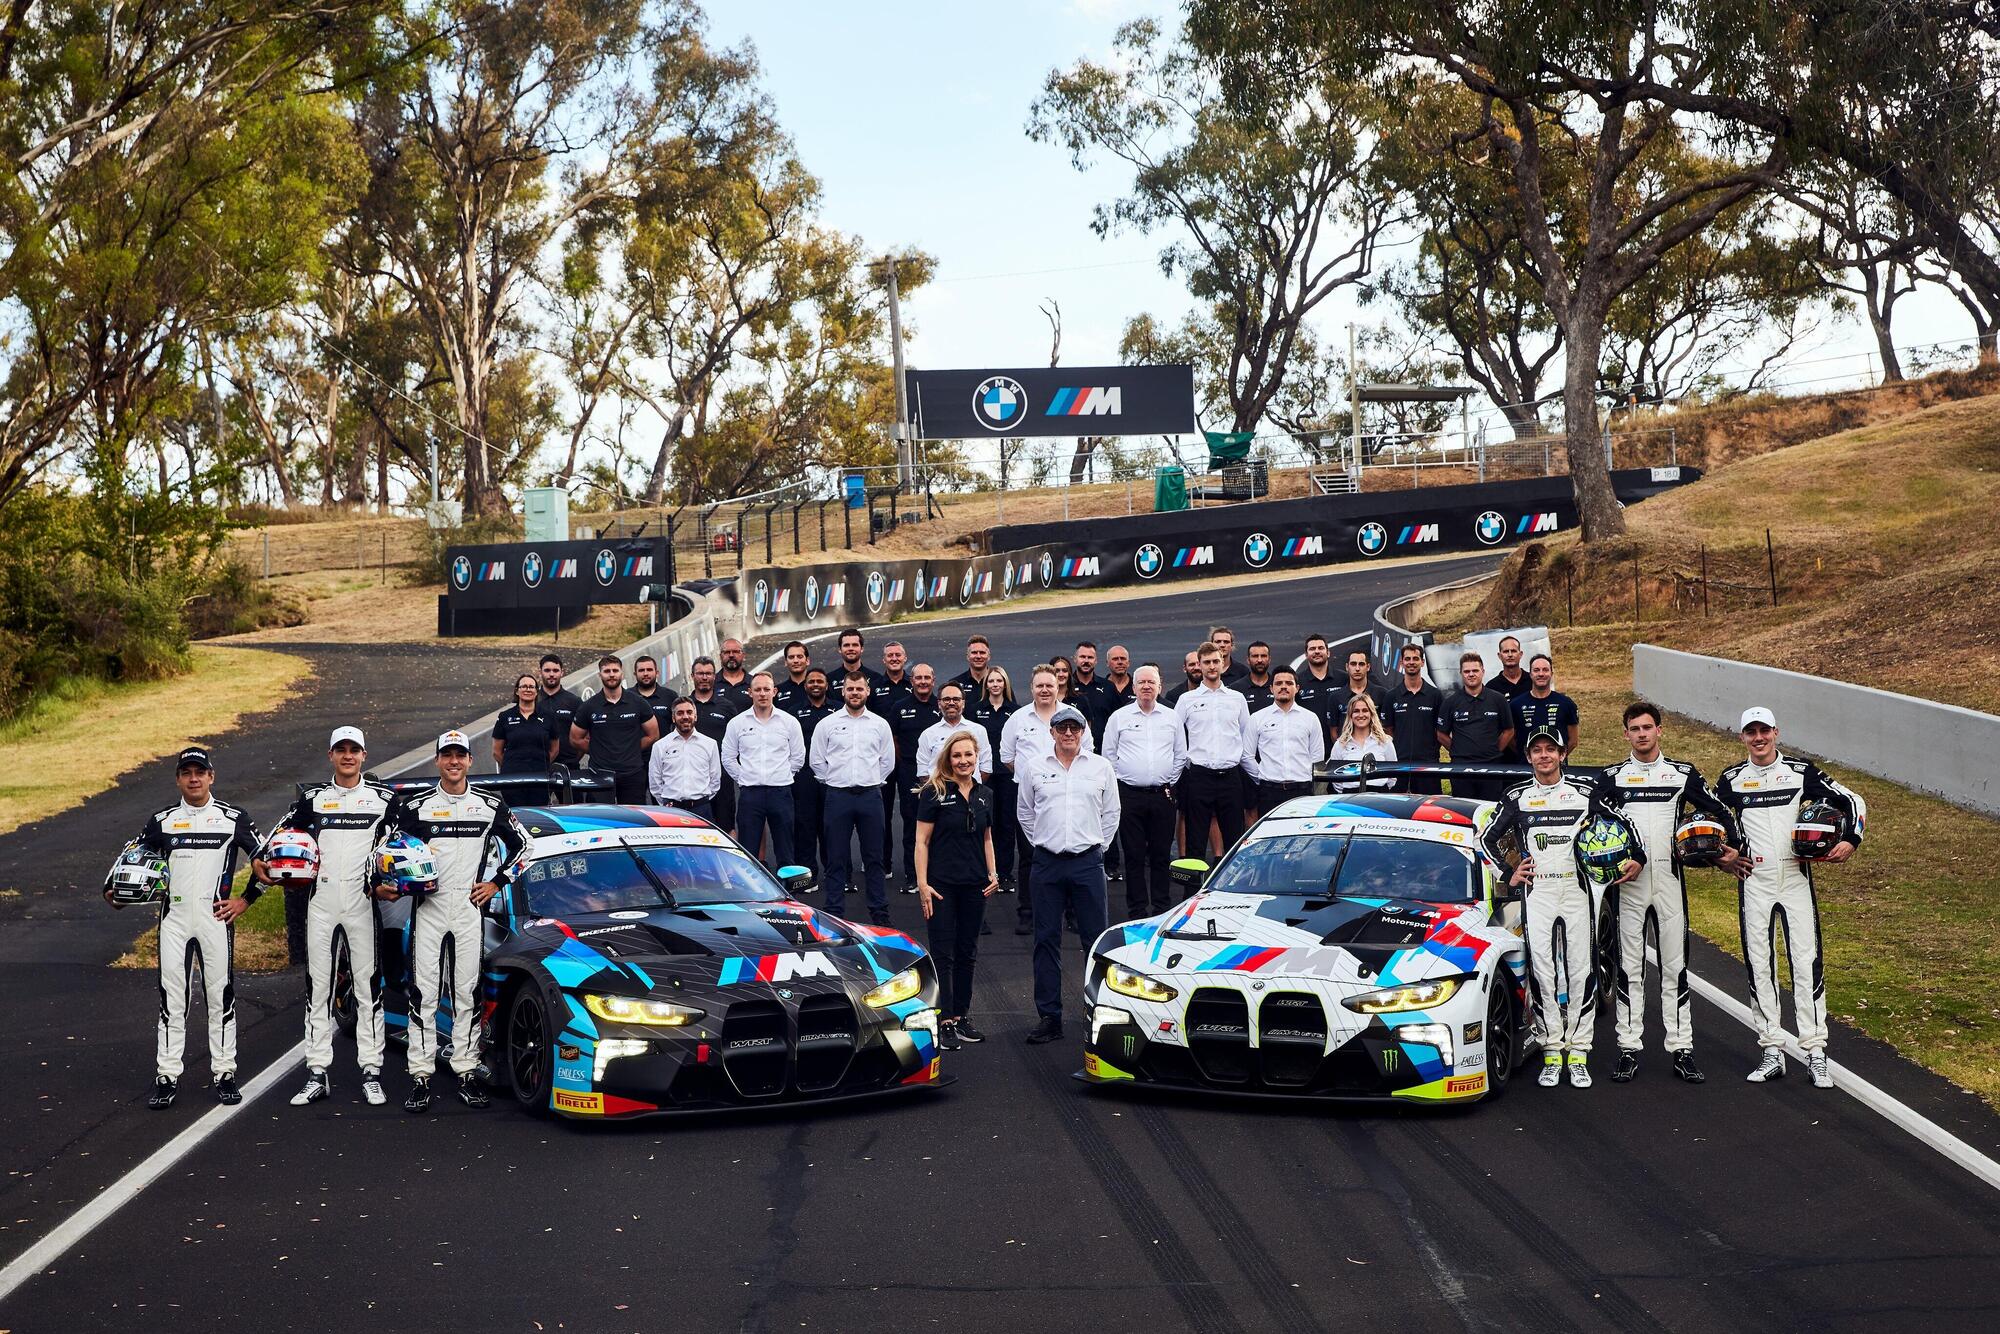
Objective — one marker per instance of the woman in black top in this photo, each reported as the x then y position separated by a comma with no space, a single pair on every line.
524,738
994,707
954,875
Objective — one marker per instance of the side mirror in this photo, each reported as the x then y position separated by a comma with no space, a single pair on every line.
1187,876
796,879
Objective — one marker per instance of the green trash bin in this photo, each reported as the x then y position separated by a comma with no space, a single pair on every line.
1169,489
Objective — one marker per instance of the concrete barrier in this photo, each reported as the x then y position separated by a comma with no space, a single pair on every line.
1396,625
1941,749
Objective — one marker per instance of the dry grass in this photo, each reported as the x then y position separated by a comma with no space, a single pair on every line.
260,937
57,757
348,608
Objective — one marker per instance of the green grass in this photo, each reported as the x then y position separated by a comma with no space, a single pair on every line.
260,935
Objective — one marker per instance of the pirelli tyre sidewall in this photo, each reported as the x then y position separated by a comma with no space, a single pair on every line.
527,1046
1502,1041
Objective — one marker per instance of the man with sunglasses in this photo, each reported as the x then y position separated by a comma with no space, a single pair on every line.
1069,812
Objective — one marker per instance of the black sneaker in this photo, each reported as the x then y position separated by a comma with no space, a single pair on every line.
226,1091
1628,1066
948,1036
420,1097
472,1092
967,1033
1685,1067
1047,1030
164,1090
317,1086
1023,929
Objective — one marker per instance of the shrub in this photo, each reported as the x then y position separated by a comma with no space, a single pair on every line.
234,600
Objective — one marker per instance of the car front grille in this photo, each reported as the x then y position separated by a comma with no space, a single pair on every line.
1291,1038
827,1036
1218,1035
754,1048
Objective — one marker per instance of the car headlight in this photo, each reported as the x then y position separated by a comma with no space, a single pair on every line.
633,1010
1136,985
898,988
1410,996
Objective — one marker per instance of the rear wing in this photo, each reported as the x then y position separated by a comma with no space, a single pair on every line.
560,786
1349,774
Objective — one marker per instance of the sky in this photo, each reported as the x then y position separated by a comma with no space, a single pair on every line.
914,118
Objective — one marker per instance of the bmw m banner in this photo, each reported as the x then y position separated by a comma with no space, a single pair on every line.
1060,400
554,574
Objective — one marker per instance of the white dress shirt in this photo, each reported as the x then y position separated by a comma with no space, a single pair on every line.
1025,737
684,768
850,751
932,742
1146,747
763,752
1351,752
1070,808
1217,723
1285,744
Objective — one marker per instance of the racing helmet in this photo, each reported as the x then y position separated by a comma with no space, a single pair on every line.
138,876
1700,841
405,864
1603,847
293,857
1818,830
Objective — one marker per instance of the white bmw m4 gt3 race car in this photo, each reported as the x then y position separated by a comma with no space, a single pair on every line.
1349,947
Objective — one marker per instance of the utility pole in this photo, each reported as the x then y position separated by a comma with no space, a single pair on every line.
899,430
1353,404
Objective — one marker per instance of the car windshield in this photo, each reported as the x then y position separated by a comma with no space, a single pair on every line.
1364,866
607,878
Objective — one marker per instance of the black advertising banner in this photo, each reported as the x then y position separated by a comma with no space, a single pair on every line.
1061,400
554,574
1161,548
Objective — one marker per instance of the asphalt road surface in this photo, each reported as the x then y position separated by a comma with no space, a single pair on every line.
1016,1199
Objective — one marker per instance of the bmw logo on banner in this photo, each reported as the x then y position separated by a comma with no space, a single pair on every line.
1490,527
1372,539
1048,569
812,596
760,600
878,587
461,572
965,587
1007,578
1149,560
1257,550
607,567
1000,403
531,569
920,588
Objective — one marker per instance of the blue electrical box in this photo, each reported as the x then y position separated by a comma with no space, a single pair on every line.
855,487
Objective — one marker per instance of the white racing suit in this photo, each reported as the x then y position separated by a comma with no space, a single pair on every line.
459,830
347,822
1654,799
200,844
1560,908
1766,801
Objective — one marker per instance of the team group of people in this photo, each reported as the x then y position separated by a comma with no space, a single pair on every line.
1085,777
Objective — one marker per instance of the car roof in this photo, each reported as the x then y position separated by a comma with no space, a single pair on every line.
542,821
1401,815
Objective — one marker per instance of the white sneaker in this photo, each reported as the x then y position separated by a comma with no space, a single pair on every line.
1772,1067
1822,1073
1552,1069
1579,1070
371,1088
317,1086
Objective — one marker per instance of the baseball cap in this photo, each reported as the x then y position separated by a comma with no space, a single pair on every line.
1541,734
341,734
1066,714
196,755
446,740
1760,714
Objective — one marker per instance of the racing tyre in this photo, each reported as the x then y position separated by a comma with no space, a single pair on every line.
1500,1040
529,1051
346,1010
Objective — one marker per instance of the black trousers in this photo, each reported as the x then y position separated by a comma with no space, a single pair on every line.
956,919
808,805
1146,830
1005,797
1213,794
1064,883
631,787
905,785
725,803
1024,876
1270,794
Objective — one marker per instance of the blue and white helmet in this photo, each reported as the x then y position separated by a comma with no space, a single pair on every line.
405,864
138,876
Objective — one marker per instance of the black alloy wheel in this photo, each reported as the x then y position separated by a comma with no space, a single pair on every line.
1499,1039
530,1057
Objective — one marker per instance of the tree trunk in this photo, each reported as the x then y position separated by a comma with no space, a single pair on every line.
1596,504
1524,419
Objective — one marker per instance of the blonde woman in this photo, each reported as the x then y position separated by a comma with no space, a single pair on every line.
955,874
1362,734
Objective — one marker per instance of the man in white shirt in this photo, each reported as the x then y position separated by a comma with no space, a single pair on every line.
1286,741
951,719
1023,738
762,748
853,755
686,767
1216,721
1069,810
1147,751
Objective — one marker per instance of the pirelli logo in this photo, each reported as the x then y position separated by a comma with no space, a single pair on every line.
591,1104
1465,1084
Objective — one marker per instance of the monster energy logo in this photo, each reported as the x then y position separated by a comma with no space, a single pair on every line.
1541,842
1391,1058
1131,1043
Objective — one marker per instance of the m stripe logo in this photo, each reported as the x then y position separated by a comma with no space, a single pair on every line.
1544,522
1095,402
